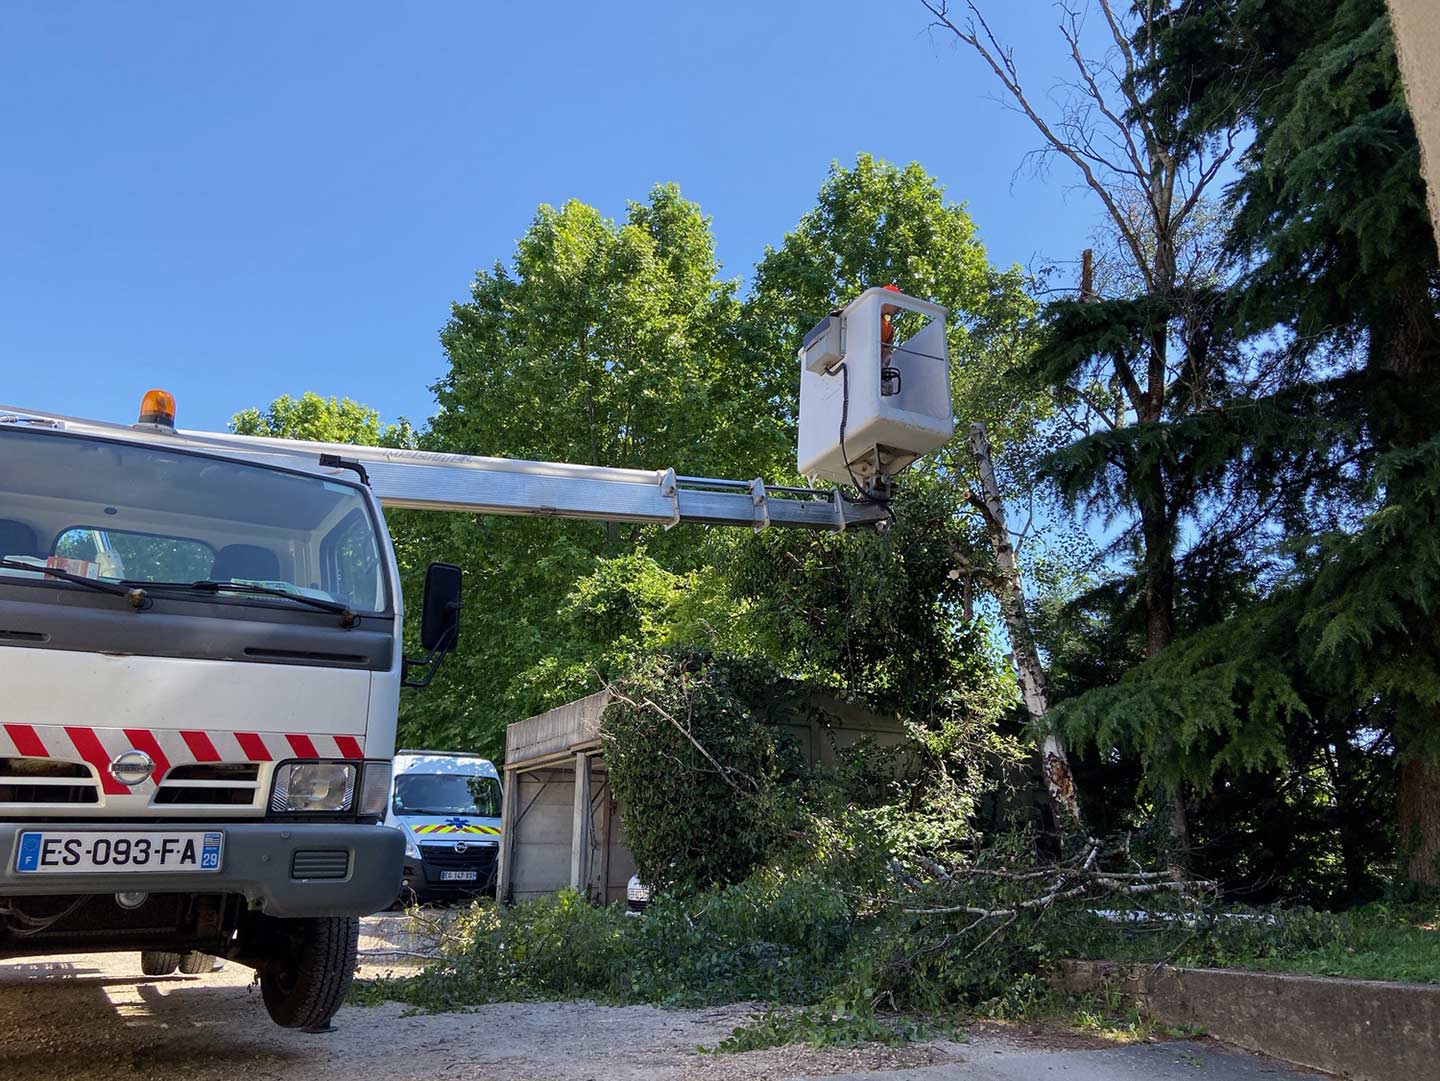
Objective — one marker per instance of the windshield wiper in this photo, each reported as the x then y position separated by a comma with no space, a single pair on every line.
136,597
348,618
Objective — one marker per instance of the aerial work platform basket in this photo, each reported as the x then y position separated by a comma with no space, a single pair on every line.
874,389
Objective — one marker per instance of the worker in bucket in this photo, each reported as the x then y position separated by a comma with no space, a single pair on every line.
889,375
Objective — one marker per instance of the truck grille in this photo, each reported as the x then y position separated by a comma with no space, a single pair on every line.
320,863
44,780
210,785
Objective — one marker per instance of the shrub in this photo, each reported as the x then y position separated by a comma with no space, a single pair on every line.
697,769
773,938
713,789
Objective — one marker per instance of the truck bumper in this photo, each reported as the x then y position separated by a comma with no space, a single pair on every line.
259,863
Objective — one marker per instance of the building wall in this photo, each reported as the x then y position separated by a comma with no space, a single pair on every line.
1417,42
620,864
539,845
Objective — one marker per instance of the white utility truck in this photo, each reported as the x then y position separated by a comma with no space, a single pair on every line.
201,653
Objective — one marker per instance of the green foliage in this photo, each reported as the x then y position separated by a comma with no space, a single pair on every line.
1376,942
909,641
700,754
604,343
771,939
601,342
825,959
695,762
1330,198
1318,459
322,420
822,1027
877,223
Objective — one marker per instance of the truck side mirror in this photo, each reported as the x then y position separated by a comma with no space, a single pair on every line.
440,613
439,623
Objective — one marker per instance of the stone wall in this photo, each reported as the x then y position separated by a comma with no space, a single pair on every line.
1363,1029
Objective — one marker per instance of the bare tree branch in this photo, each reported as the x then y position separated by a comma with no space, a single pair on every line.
1002,63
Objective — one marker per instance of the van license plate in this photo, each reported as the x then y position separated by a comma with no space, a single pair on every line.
459,876
98,852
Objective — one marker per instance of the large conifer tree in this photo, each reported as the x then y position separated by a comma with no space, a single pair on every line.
1341,281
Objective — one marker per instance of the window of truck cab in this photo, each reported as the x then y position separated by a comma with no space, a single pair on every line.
148,514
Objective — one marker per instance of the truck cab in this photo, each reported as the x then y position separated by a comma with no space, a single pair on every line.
448,807
200,668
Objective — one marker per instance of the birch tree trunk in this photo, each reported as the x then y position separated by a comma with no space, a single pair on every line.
1011,594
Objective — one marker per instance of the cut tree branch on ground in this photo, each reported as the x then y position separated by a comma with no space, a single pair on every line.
1067,881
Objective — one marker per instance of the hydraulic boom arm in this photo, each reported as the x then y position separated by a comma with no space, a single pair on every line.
425,480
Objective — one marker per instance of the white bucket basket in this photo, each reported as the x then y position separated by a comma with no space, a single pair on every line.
869,409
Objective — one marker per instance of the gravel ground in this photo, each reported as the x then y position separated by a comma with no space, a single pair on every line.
96,1018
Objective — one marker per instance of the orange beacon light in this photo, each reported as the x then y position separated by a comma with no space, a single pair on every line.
158,407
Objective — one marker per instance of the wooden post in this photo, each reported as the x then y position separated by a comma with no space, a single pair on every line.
607,806
508,800
580,832
1011,595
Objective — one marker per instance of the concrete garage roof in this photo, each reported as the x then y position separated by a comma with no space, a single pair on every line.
557,733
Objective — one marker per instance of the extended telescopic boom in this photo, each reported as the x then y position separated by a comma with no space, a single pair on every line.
425,480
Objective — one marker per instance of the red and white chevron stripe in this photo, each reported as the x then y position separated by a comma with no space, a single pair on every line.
167,747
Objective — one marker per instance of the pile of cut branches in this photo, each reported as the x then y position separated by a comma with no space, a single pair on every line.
993,892
976,930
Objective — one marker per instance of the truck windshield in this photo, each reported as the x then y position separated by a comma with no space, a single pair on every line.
144,514
447,794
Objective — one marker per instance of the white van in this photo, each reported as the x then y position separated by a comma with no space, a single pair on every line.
448,807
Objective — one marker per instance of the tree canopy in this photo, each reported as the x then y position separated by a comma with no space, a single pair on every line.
1234,405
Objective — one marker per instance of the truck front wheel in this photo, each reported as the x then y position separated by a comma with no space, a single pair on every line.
306,988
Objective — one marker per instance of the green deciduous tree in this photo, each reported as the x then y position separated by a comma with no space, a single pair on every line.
606,343
617,344
603,343
875,224
322,420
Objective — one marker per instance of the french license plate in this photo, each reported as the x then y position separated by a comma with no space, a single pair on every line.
91,852
459,876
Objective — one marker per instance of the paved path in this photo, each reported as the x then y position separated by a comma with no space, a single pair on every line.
96,1018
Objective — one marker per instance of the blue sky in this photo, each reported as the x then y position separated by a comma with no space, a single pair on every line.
239,201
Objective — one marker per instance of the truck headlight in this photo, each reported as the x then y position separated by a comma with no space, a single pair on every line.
411,848
313,786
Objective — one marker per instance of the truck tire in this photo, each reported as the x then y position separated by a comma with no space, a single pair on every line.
158,962
196,963
308,987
